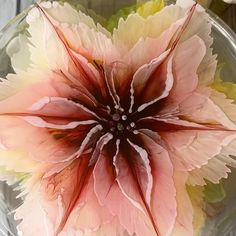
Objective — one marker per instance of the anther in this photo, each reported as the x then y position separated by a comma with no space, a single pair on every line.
124,117
116,117
120,127
132,124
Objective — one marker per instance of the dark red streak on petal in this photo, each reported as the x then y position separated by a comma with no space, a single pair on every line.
84,173
154,78
135,177
88,82
160,126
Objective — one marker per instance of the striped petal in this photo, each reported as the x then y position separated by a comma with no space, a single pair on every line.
187,150
163,198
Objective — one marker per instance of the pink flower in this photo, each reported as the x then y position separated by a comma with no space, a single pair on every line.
111,128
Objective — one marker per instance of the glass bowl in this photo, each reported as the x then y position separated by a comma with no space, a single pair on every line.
224,46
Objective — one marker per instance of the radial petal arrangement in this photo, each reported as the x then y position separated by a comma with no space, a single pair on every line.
110,128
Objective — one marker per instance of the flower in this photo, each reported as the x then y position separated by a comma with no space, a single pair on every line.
110,128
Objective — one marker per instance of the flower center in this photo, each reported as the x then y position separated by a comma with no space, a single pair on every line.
120,124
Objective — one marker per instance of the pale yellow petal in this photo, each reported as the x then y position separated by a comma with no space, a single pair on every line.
56,28
150,7
217,168
227,105
15,83
153,26
196,195
16,161
18,51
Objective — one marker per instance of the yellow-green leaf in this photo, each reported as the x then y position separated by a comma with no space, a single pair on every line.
196,195
228,88
214,192
144,10
122,13
150,8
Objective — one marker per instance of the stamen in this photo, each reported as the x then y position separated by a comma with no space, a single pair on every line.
108,109
132,124
120,127
116,117
113,129
124,117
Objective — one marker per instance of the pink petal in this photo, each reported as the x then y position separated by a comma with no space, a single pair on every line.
90,218
147,49
55,123
184,219
185,70
170,124
71,194
87,140
152,82
125,178
143,170
66,205
188,150
60,107
76,67
200,108
103,172
103,140
131,219
31,94
82,33
52,47
116,198
39,144
163,203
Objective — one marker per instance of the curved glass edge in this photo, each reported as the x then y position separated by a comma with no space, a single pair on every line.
8,31
11,30
223,28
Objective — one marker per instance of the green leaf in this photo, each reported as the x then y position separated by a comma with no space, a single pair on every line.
146,9
228,88
122,13
151,7
19,176
214,192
